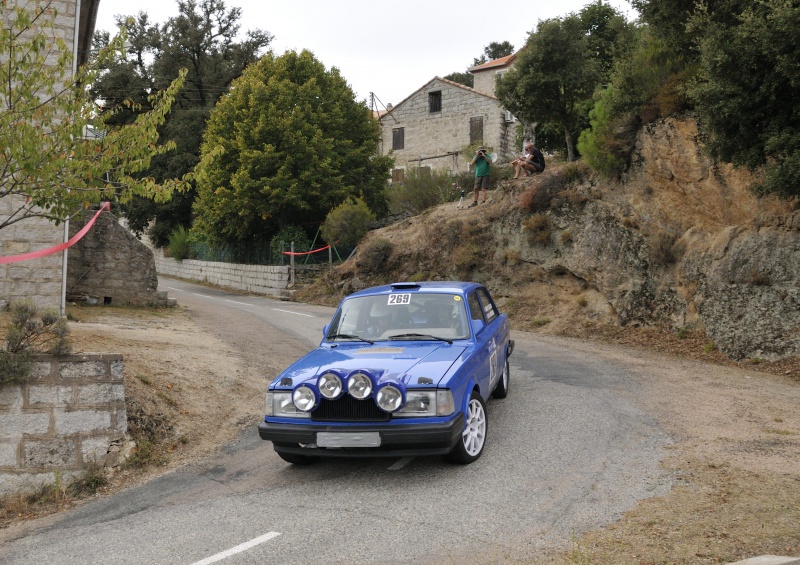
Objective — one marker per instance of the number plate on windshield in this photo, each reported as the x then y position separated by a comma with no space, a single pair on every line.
348,439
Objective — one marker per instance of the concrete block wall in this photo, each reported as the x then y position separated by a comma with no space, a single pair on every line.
258,279
68,415
429,134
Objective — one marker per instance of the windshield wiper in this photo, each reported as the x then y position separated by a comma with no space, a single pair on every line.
421,336
348,336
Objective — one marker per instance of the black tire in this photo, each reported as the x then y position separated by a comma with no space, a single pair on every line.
473,438
296,459
501,390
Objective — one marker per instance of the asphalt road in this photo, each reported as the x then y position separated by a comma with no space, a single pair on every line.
568,450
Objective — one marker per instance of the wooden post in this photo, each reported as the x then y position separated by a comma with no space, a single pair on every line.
291,266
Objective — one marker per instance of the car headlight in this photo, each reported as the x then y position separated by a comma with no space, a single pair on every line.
279,403
330,385
389,398
304,398
426,403
359,385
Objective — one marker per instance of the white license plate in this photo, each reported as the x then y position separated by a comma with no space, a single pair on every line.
348,439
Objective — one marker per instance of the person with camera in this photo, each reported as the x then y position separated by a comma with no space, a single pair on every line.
483,168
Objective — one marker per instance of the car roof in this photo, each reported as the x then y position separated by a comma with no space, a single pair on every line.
449,287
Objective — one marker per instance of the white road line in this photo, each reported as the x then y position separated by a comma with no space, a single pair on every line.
238,549
400,463
295,313
176,289
202,295
234,302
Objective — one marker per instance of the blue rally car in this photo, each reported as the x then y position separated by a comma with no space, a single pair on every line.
403,369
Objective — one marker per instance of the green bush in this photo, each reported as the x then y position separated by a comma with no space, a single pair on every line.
346,224
423,188
31,330
645,86
284,238
180,244
375,255
14,367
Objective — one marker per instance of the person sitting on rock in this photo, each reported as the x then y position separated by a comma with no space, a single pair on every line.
534,162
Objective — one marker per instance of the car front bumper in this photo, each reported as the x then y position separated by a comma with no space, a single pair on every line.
398,440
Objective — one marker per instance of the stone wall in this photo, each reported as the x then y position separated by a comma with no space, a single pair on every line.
429,134
36,279
68,415
258,279
111,266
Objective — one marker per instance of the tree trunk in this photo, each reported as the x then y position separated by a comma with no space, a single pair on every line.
570,150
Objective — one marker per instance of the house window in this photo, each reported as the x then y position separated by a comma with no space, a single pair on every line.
435,101
398,175
476,130
398,138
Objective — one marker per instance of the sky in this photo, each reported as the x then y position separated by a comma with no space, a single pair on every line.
386,50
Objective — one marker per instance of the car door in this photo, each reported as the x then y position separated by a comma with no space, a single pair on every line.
493,338
484,358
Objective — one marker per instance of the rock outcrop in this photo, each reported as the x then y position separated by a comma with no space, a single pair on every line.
682,240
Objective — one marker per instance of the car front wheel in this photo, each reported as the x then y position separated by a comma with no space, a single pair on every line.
473,438
501,390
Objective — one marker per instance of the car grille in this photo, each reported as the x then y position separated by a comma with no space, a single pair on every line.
348,409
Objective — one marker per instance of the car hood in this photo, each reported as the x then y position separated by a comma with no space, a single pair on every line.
406,363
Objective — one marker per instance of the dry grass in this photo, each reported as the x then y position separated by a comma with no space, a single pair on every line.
718,514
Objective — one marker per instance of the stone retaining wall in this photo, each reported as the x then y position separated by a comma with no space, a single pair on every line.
68,415
258,279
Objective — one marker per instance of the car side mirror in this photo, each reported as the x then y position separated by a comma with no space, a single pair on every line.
477,326
325,330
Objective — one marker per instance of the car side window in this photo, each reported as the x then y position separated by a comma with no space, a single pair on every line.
489,309
475,310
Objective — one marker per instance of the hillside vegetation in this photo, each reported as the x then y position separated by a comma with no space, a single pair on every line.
677,255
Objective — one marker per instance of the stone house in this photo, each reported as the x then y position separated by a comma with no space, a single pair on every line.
433,126
42,279
485,75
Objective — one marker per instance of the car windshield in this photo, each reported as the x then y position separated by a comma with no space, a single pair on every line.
403,316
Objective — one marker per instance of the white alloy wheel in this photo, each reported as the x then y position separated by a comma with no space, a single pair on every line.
473,438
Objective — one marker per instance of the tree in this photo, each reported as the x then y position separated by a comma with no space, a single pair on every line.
57,156
491,52
286,145
202,39
494,51
672,21
553,79
464,78
608,35
747,90
552,82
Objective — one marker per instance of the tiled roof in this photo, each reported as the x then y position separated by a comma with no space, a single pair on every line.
501,62
495,63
